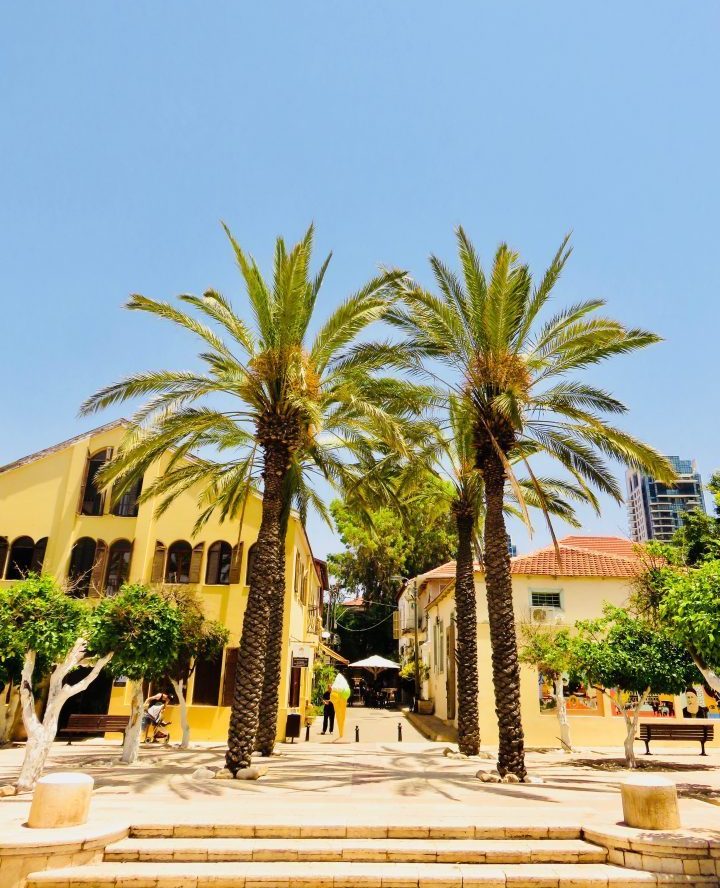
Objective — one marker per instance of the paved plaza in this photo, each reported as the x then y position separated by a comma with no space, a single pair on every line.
331,779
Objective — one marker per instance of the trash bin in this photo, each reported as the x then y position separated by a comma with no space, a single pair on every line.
292,726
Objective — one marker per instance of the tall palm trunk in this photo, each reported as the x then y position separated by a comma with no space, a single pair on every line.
468,725
269,702
244,716
505,663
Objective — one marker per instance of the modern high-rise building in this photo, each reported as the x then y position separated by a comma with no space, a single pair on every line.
655,509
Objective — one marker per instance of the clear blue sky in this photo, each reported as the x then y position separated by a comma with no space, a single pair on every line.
130,130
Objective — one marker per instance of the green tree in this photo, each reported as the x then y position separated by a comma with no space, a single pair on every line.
271,395
143,628
323,676
52,634
550,651
518,375
633,657
690,607
384,543
200,639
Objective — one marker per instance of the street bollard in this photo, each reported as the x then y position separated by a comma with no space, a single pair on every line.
399,732
357,733
307,732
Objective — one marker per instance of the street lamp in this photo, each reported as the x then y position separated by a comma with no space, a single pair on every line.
414,599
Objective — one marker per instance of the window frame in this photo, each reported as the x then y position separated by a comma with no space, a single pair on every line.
547,592
178,581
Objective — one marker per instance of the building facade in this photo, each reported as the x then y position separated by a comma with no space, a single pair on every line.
54,519
655,509
593,570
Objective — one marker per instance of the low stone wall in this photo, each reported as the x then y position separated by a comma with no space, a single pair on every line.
32,850
678,852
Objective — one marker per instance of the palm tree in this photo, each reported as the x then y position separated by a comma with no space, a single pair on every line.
450,456
271,394
516,373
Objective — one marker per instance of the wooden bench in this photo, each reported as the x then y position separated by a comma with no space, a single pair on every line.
79,723
662,730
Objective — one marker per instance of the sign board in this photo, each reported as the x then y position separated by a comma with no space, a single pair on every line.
300,662
300,656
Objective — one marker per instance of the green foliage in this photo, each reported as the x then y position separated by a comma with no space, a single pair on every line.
690,606
621,651
142,627
549,650
37,615
323,675
698,538
407,671
200,638
392,543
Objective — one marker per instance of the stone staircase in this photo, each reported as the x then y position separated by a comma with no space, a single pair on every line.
275,856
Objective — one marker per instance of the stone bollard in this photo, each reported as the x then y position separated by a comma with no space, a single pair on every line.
61,799
650,802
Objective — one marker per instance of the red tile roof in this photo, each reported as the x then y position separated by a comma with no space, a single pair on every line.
610,545
576,562
582,556
353,602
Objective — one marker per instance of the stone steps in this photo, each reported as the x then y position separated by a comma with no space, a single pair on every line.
358,850
352,875
351,831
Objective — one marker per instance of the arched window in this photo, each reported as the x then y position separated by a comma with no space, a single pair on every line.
177,569
82,561
127,505
250,562
39,555
91,498
218,564
21,559
3,555
118,566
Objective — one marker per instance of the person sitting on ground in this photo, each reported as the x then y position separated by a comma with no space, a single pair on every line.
154,707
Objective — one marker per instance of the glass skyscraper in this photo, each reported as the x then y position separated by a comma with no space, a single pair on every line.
655,509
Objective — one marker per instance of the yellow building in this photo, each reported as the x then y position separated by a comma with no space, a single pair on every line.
594,570
53,518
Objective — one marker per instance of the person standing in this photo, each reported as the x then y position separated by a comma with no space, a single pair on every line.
328,712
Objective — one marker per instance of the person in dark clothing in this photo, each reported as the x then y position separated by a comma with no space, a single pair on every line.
328,712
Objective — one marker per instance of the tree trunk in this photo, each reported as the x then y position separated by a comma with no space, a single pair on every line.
632,717
244,716
562,714
184,723
8,711
466,608
503,637
131,743
40,735
269,703
711,677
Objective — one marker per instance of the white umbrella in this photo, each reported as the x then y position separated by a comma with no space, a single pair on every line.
375,664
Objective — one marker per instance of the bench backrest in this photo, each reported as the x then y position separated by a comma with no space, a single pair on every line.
669,732
98,722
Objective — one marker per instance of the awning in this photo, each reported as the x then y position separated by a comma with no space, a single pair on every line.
329,652
375,664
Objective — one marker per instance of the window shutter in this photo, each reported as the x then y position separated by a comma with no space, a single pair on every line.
98,571
38,556
108,457
195,563
228,685
158,565
237,554
84,483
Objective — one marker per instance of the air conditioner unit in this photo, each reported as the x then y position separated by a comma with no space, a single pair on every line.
550,616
